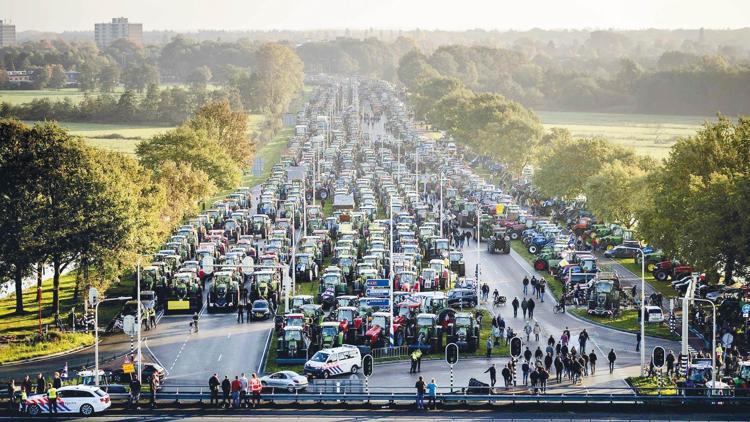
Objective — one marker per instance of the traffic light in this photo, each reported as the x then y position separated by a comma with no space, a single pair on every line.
658,356
451,353
515,347
367,365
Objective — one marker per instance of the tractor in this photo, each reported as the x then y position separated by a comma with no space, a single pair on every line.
674,270
604,296
426,335
184,294
499,242
329,335
224,293
292,347
464,331
305,267
457,264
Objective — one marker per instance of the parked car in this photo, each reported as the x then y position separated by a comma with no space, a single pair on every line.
147,371
260,310
288,380
462,298
83,399
654,314
621,251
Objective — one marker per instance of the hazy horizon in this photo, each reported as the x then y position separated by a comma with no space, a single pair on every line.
248,15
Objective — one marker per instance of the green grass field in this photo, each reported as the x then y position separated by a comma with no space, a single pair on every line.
62,342
648,134
628,320
16,97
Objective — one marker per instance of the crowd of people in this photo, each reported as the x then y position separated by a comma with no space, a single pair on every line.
237,393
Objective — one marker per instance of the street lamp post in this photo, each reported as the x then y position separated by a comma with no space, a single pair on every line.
642,304
479,240
441,205
96,334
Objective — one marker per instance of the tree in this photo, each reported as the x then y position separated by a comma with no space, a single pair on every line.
227,127
413,67
109,77
20,204
697,201
127,106
138,76
616,193
199,77
196,148
278,75
57,79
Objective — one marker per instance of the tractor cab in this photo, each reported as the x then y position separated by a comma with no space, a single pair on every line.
457,264
292,348
298,301
426,334
464,332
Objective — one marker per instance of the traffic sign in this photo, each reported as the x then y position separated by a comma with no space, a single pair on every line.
746,309
128,368
515,347
658,356
451,353
377,287
128,325
377,302
93,296
367,365
727,339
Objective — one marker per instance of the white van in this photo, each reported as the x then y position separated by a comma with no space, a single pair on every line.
654,314
337,361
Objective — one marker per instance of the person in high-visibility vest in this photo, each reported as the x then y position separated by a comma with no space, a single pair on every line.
24,397
52,397
255,387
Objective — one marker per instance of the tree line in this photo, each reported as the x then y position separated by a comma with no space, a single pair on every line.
65,203
692,205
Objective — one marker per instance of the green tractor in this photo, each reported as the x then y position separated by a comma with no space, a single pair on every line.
184,294
464,331
499,242
225,292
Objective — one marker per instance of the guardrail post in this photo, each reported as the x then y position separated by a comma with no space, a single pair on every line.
177,396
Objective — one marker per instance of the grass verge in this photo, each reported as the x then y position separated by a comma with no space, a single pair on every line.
54,343
652,386
628,320
662,287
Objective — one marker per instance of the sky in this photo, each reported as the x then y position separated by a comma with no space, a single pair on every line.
191,15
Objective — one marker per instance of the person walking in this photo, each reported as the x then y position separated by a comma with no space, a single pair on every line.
548,362
420,386
515,307
527,354
488,344
213,386
611,357
135,393
538,354
413,360
592,362
153,317
527,329
525,372
26,385
524,307
543,377
194,323
12,406
670,363
24,397
153,385
582,339
255,388
240,313
537,330
531,305
419,359
226,388
431,394
558,368
542,289
525,283
506,376
534,378
493,375
638,341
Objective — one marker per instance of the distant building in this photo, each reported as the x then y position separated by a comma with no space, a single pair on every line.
20,76
7,34
106,33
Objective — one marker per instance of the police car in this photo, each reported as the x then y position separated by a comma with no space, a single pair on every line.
337,361
83,399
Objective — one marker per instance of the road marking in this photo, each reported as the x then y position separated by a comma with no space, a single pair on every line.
153,355
219,359
229,335
265,350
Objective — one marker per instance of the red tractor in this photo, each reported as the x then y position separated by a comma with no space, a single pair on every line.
666,270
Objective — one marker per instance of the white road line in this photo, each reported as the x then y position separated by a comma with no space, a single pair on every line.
153,355
229,335
265,350
219,359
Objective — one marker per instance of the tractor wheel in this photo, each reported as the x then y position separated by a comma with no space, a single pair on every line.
533,249
540,265
514,235
323,194
661,275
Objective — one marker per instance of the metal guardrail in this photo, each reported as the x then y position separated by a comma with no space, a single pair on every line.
383,353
